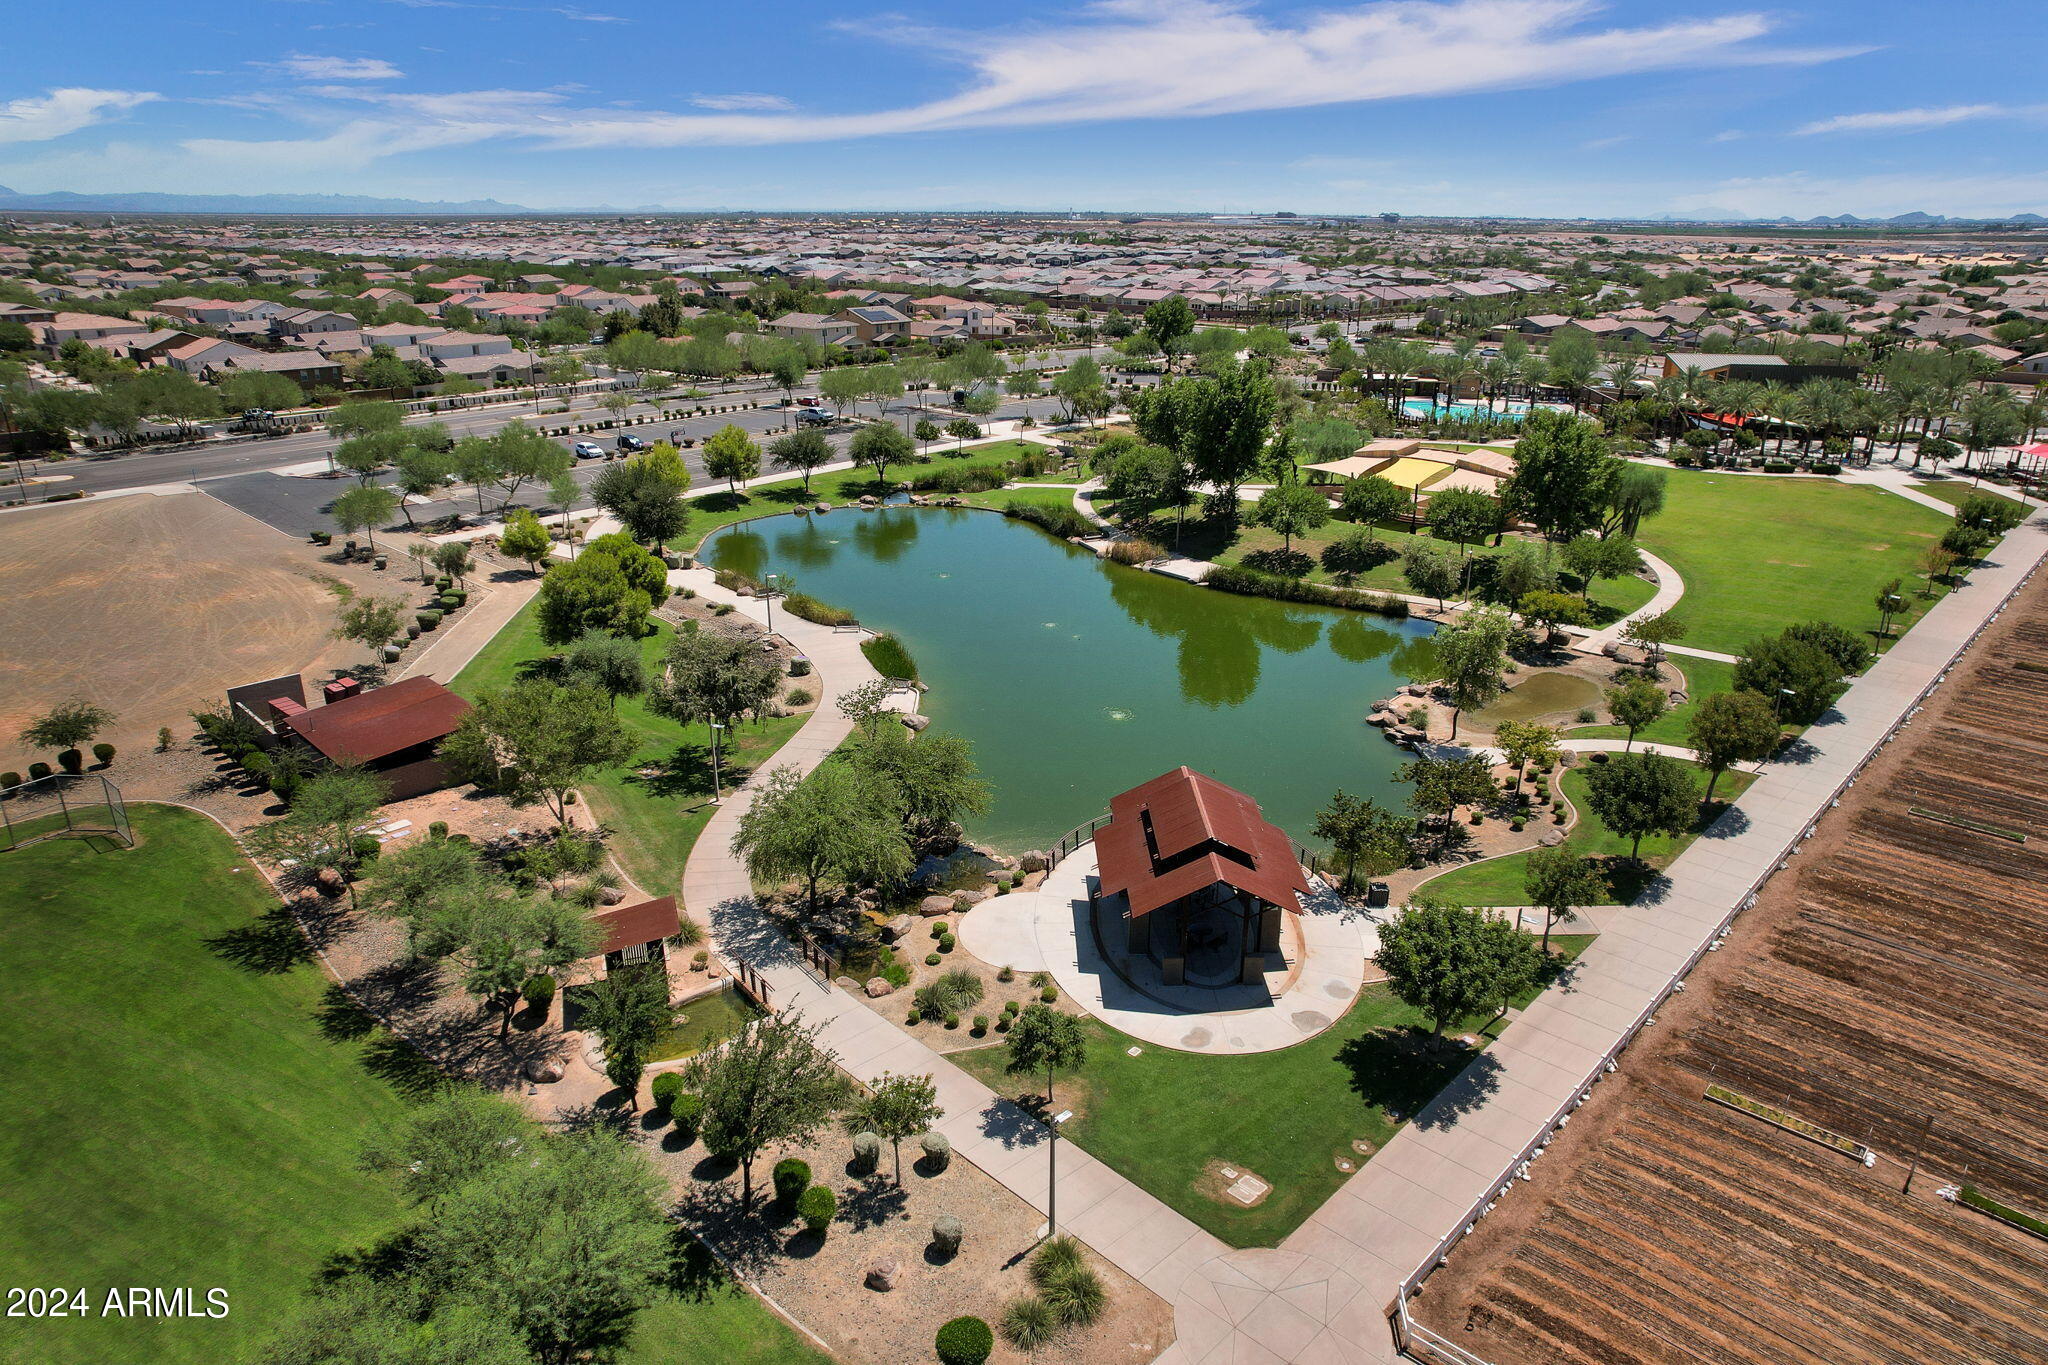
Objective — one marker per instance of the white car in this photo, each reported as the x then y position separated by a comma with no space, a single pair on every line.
586,450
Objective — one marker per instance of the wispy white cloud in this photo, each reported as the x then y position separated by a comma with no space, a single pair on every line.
1799,194
1144,59
1728,135
1601,144
313,68
38,118
741,100
1918,120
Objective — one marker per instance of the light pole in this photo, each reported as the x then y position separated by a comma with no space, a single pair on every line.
1778,704
1891,605
717,790
1052,1152
768,597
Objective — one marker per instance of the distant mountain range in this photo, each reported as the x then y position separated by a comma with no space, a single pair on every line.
65,201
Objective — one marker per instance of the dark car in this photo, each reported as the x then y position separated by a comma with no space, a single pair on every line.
632,444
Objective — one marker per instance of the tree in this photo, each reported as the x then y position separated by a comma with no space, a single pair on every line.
1169,321
421,473
525,538
1889,603
1639,794
731,454
712,678
1430,571
372,622
1549,610
449,1139
628,1009
611,663
933,779
788,368
841,387
646,498
360,418
1588,558
1022,384
805,451
926,431
1450,962
830,824
1635,492
68,725
1044,1041
364,509
611,586
879,445
420,885
1073,385
1729,728
1563,474
1798,678
1522,742
497,943
898,1107
1555,880
1370,499
1443,784
963,430
1464,515
770,1084
1144,476
452,558
536,739
364,456
1473,658
1290,509
319,828
525,456
1635,704
260,390
1651,633
1364,834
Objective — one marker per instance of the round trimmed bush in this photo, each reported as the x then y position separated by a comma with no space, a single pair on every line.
980,1024
952,1021
932,959
939,928
867,1153
438,830
666,1087
946,1234
965,1341
1012,1006
103,753
539,992
792,1178
10,780
1049,994
938,1151
686,1112
38,771
816,1207
947,943
71,760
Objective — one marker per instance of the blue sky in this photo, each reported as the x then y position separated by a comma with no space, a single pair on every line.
1536,107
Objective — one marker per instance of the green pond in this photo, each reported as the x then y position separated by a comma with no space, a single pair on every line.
1076,679
1542,694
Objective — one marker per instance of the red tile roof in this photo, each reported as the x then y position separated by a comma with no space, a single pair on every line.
625,925
377,724
1183,831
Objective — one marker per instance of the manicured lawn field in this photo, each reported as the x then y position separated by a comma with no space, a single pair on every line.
707,1317
1703,678
656,817
1498,881
1759,554
1161,1117
175,1115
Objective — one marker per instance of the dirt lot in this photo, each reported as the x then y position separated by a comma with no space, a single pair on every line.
153,607
1892,987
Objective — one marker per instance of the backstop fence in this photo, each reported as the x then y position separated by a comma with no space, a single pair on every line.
63,806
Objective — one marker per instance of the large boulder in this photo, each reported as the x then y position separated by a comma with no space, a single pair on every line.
877,987
898,928
883,1275
914,721
330,881
543,1070
936,905
1033,861
967,900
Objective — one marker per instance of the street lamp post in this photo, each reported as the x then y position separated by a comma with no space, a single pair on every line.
1891,605
717,789
768,597
1778,704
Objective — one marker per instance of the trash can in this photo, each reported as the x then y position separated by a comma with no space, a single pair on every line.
1376,895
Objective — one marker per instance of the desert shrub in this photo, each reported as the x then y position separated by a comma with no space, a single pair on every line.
952,1021
1012,1006
980,1024
1049,994
71,761
539,992
1056,1257
687,1113
792,1178
932,960
816,1207
10,779
1075,1296
103,753
798,697
256,763
964,1341
938,1151
867,1153
1041,978
666,1087
38,771
1029,1323
946,1234
946,942
940,928
1008,973
164,740
438,830
427,619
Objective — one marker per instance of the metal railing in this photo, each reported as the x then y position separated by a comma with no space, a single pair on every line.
821,964
1073,839
1410,1335
748,980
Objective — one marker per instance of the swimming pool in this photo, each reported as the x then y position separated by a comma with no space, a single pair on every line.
1504,410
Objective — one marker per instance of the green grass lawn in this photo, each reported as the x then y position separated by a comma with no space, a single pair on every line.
1759,554
1703,678
176,1115
655,818
706,1316
1498,881
1159,1118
